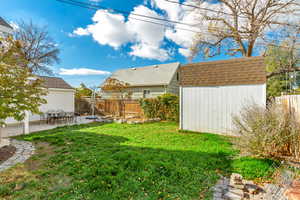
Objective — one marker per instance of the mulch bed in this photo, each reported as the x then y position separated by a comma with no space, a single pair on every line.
6,152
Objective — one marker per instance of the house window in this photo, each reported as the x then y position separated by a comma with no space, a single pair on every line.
177,76
146,94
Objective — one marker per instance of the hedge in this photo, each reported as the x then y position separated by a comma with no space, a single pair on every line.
165,107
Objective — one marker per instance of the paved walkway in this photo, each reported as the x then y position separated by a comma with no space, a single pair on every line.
17,129
23,151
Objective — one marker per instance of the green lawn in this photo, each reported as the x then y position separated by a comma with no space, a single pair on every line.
119,161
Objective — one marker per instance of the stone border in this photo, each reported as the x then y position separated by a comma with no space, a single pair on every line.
23,151
236,188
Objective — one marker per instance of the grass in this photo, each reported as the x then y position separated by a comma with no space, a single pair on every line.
120,161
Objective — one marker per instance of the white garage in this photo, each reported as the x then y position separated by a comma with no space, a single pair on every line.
60,97
212,92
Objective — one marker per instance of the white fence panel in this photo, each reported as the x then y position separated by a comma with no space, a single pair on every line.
210,109
291,102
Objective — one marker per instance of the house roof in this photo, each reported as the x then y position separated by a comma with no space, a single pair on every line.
147,76
4,23
54,82
240,71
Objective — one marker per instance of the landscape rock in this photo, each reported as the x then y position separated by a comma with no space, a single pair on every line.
232,196
24,150
235,188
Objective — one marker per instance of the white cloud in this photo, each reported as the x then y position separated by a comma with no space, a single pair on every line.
147,40
185,52
81,31
109,29
114,30
143,50
173,10
14,25
82,71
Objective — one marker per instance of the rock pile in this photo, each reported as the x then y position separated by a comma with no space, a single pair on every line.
236,188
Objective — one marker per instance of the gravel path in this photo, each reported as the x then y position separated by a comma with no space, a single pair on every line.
23,151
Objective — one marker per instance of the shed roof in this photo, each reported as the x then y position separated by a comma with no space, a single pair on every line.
147,76
239,71
4,23
55,82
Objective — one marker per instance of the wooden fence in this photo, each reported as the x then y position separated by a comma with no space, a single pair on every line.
121,108
291,103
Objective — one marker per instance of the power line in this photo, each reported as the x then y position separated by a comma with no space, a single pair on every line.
96,7
198,7
138,19
126,13
74,2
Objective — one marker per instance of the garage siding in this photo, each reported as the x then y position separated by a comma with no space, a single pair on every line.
210,109
57,99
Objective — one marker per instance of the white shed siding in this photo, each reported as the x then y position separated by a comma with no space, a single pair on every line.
57,99
210,109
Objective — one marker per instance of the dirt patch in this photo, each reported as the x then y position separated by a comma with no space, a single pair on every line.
6,152
43,151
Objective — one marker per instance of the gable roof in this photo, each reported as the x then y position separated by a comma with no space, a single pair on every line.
240,71
147,76
4,23
54,82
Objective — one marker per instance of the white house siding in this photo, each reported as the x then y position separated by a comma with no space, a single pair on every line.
173,87
137,92
5,31
57,99
210,109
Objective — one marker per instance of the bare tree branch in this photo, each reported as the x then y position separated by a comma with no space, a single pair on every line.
38,47
243,23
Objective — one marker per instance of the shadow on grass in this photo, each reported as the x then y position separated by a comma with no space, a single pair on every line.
89,165
98,166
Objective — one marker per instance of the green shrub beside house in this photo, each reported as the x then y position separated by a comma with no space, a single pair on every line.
165,107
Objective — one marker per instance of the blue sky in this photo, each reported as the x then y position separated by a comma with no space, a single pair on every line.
108,44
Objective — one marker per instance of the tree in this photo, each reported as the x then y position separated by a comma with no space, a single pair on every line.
283,65
18,93
119,88
38,47
238,26
83,91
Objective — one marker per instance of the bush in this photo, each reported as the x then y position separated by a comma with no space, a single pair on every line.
271,132
165,107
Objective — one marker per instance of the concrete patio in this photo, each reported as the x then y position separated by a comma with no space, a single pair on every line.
18,129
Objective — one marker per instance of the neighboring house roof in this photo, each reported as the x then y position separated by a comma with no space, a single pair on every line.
4,23
240,71
54,82
147,76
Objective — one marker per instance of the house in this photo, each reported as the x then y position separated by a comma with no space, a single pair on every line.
60,96
145,82
5,28
211,93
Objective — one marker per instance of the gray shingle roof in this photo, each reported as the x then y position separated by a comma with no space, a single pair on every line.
55,82
4,23
147,76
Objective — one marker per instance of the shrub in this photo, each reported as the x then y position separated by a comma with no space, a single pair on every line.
271,132
165,107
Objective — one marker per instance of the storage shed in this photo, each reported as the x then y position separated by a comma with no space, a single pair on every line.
212,92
